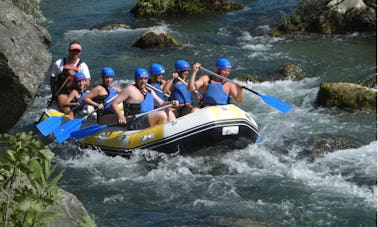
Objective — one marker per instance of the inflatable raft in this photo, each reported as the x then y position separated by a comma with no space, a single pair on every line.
225,125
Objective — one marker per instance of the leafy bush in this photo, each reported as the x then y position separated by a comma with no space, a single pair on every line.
27,182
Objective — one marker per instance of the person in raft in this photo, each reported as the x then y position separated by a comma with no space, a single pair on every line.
100,96
215,90
72,59
156,79
176,87
138,98
74,101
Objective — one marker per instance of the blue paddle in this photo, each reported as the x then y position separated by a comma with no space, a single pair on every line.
52,123
270,100
49,125
63,132
91,130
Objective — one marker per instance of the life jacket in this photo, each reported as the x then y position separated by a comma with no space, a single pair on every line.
80,100
158,86
61,77
104,98
215,95
143,107
180,93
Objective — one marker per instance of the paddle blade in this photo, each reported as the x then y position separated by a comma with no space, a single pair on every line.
49,125
64,132
276,103
85,132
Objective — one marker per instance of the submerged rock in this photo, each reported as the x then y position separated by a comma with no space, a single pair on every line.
109,27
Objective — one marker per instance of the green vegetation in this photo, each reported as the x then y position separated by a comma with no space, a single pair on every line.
28,188
171,8
27,184
290,24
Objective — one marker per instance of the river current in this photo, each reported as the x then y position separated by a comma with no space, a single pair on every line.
267,182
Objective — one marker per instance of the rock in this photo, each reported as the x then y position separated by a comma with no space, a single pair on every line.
347,96
165,8
340,16
24,60
108,27
156,38
370,82
72,210
318,145
291,72
330,17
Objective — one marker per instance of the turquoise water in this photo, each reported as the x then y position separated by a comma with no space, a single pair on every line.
264,182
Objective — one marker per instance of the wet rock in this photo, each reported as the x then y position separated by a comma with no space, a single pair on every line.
319,145
109,27
24,60
370,82
156,38
291,72
166,8
347,96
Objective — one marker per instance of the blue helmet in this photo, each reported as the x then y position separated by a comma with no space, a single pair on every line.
141,73
223,63
107,71
157,69
79,76
182,65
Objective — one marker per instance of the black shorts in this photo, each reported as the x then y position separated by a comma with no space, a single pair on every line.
138,123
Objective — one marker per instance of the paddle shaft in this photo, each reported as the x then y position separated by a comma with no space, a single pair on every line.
270,100
88,131
158,90
54,96
226,79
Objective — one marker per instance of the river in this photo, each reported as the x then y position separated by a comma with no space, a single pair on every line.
267,182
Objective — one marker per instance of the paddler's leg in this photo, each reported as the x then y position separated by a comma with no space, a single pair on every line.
65,109
157,117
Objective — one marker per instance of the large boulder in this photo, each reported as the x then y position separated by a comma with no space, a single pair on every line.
24,60
330,17
347,96
340,16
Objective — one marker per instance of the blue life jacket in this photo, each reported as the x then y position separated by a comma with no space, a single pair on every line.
143,107
80,100
180,93
215,95
111,93
158,86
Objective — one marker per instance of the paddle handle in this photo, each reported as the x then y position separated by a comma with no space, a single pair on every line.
158,90
96,109
226,79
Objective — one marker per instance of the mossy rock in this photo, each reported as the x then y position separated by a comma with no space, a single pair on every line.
347,96
169,8
156,38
